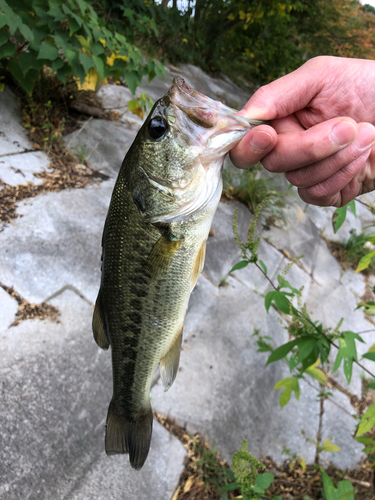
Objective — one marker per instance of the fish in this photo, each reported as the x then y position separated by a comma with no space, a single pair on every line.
153,251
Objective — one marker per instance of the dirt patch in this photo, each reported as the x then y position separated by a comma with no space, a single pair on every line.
28,310
205,472
61,111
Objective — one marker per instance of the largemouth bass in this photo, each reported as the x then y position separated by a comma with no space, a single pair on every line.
154,242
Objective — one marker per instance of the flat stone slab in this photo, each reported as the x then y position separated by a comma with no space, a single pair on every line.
13,135
103,143
56,243
20,168
56,387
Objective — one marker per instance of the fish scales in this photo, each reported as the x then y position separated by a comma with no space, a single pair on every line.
153,243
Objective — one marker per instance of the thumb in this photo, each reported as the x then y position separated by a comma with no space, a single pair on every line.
288,94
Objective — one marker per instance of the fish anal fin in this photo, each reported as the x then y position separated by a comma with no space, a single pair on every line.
161,255
169,363
125,436
98,328
198,265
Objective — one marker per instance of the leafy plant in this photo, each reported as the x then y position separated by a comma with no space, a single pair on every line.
344,489
69,38
251,190
310,342
245,470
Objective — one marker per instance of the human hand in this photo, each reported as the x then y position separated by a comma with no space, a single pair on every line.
322,135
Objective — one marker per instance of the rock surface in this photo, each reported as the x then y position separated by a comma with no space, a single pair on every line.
55,382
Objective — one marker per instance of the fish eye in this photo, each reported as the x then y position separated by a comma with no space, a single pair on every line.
157,127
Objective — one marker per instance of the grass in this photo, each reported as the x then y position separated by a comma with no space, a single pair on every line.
251,189
350,252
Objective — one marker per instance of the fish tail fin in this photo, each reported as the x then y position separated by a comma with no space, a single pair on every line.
125,436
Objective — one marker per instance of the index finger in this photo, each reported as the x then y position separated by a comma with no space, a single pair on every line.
298,148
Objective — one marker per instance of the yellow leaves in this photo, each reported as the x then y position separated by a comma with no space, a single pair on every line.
90,81
316,373
185,40
242,15
329,447
136,108
111,59
86,44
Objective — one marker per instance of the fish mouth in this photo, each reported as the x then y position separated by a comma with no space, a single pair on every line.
203,110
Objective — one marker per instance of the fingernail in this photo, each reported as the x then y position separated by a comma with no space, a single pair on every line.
365,136
261,141
343,133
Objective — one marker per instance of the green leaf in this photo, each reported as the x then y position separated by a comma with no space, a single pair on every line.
48,51
348,352
26,32
86,61
280,299
132,80
99,66
365,440
351,204
365,261
369,355
63,72
57,64
56,13
282,351
3,38
29,60
339,215
305,347
8,50
239,265
285,284
345,490
263,266
290,384
367,421
329,489
338,218
264,480
229,487
26,82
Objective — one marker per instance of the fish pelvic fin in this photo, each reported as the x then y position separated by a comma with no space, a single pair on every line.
98,325
125,436
161,256
169,363
198,265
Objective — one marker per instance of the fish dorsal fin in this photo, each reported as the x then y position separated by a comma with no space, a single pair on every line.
161,255
98,328
169,363
198,265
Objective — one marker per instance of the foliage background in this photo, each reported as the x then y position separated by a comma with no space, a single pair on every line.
254,41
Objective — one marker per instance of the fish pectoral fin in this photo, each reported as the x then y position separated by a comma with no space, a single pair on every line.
125,436
161,255
198,265
98,328
169,363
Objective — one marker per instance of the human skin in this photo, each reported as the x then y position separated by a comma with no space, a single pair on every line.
322,132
